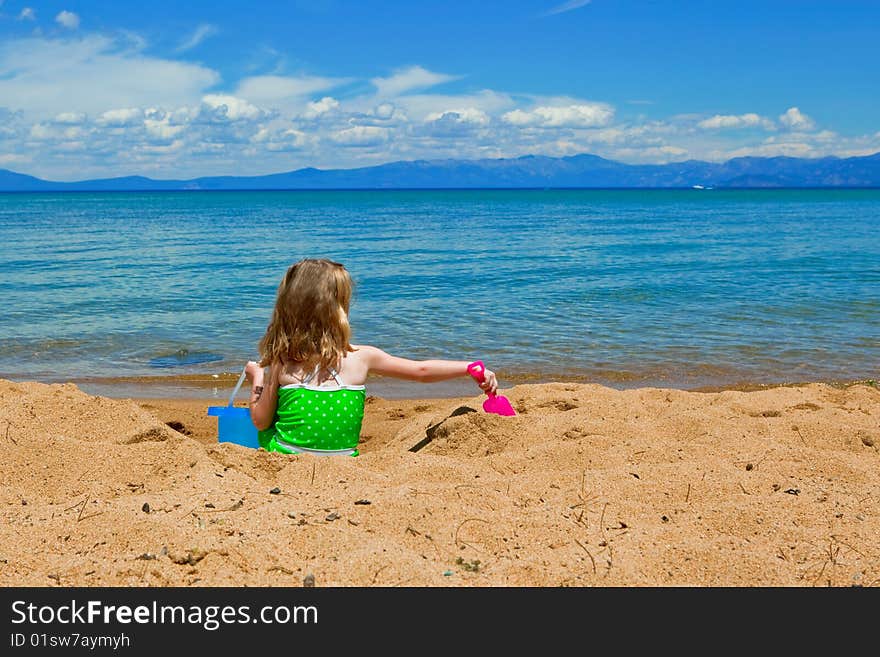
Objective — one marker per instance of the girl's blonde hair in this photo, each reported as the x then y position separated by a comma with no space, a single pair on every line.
310,322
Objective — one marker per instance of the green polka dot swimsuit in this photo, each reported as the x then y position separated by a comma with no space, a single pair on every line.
315,419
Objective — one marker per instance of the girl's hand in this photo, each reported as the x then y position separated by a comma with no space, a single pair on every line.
490,383
254,372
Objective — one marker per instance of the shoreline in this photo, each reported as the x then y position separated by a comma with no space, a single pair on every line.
215,387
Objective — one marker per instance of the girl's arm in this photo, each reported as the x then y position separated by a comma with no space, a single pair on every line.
264,394
424,371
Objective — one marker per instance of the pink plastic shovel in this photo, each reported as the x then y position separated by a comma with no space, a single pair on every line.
497,404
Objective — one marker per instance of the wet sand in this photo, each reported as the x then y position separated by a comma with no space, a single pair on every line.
586,486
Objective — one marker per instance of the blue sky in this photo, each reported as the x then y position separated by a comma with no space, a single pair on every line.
173,89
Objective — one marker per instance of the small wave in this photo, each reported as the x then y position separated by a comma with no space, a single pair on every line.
183,357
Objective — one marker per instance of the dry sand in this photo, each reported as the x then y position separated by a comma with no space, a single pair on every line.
587,486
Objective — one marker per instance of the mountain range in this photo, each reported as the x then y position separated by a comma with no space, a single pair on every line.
529,171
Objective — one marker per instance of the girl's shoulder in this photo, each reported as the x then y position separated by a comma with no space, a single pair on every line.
363,351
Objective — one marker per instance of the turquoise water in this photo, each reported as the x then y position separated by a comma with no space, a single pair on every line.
680,288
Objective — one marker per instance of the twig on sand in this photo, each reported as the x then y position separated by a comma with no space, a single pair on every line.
750,465
232,507
602,521
584,548
376,574
586,501
77,504
280,569
82,508
858,552
744,489
830,555
313,474
816,579
9,424
798,430
688,495
457,529
610,558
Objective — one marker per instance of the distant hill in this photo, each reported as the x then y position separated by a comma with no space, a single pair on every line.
582,171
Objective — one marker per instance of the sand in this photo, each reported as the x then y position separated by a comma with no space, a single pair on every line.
586,486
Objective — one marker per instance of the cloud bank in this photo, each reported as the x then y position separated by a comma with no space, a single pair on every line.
76,105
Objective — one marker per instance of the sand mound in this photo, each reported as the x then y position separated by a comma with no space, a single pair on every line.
585,486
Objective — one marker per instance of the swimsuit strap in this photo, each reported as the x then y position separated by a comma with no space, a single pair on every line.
333,373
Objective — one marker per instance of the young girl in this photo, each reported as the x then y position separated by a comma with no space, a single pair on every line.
312,398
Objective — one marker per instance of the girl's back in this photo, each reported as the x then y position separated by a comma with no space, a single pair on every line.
352,368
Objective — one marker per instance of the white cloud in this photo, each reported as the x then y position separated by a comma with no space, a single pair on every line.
323,106
826,136
41,131
70,118
159,127
201,33
567,6
456,123
645,134
13,158
229,107
71,146
519,117
67,19
573,116
45,77
723,121
384,111
27,14
794,119
409,79
419,106
289,139
652,154
362,135
94,106
774,149
469,115
278,90
163,149
121,117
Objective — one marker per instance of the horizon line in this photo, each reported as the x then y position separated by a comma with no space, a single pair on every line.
449,189
497,159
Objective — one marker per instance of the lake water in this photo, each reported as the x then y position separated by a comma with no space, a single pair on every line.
127,291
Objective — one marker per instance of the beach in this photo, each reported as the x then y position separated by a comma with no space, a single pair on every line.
586,486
